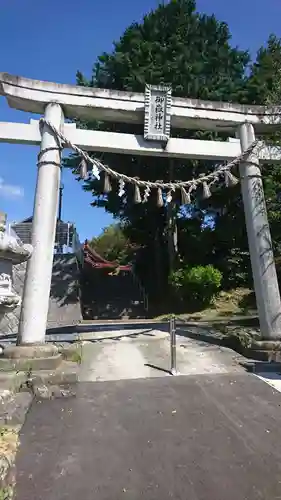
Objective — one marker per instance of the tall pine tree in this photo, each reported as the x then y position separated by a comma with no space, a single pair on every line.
173,44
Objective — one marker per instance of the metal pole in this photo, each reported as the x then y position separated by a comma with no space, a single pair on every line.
173,346
58,235
60,201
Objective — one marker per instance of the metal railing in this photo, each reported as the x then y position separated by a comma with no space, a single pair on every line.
173,346
77,247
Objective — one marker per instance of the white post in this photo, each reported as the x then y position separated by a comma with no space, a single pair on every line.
34,312
259,238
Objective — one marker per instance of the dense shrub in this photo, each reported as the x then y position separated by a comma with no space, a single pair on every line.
199,285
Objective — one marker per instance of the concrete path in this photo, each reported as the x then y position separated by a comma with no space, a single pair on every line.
146,353
133,431
195,437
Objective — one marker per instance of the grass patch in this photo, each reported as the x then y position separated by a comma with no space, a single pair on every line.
72,352
237,302
9,442
7,493
75,357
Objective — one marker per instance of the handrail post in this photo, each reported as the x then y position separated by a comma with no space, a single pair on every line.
173,346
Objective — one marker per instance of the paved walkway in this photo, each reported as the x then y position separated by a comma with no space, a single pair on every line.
146,353
136,432
195,437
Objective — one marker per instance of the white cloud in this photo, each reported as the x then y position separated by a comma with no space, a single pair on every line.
10,190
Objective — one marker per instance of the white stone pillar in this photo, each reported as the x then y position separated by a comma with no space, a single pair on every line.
35,305
259,238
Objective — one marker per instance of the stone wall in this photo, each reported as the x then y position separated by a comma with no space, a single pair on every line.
109,297
64,305
9,324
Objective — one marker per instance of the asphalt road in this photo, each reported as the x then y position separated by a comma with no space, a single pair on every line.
203,437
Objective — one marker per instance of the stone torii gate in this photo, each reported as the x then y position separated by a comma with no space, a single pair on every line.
57,102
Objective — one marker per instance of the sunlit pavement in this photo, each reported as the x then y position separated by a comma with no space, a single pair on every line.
213,436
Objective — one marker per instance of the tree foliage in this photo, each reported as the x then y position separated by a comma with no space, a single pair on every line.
113,245
198,285
175,44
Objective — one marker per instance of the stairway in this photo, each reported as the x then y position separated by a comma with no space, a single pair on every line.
106,296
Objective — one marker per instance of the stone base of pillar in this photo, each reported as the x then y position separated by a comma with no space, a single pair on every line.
30,358
30,351
265,350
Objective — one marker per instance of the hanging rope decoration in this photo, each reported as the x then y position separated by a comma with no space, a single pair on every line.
137,195
146,194
160,201
121,188
185,187
107,188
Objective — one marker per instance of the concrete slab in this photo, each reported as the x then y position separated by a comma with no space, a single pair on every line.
147,354
200,437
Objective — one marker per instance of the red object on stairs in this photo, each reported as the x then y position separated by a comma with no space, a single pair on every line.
97,261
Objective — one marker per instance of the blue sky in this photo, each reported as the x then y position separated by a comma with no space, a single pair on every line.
51,40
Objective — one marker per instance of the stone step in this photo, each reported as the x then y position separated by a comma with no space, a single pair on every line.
261,366
11,381
66,373
30,364
14,410
261,354
30,351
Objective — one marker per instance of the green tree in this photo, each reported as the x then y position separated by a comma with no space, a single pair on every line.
230,248
177,45
113,245
265,88
263,85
